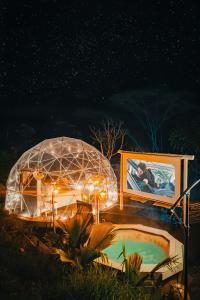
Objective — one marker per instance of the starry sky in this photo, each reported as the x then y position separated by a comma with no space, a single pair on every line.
65,65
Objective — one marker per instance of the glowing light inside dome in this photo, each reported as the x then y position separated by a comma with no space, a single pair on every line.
68,168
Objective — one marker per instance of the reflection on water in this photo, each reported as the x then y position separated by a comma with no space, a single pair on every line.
153,248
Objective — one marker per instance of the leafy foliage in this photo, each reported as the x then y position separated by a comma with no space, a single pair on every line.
132,264
185,141
83,241
30,274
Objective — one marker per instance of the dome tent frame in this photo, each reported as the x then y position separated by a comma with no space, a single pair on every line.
63,163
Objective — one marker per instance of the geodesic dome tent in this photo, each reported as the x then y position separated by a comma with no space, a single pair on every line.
55,174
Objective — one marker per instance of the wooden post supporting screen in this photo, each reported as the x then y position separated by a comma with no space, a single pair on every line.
185,185
121,194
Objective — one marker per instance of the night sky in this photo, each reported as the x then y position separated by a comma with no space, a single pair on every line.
66,65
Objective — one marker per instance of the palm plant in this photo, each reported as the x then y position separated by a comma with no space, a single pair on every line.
83,241
131,265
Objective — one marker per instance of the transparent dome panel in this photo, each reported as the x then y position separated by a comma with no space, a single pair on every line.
74,169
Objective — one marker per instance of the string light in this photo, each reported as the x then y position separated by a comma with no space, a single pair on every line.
69,167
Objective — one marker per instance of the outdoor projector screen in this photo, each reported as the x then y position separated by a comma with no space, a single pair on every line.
152,176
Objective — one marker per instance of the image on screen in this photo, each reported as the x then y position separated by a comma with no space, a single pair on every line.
151,177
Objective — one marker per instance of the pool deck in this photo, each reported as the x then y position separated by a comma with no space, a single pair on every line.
135,212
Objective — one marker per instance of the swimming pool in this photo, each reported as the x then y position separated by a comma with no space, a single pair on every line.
151,253
151,243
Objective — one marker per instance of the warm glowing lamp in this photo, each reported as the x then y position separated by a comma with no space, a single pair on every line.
98,185
85,197
103,195
79,187
90,187
55,191
38,174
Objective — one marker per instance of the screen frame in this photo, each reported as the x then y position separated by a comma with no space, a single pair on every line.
173,160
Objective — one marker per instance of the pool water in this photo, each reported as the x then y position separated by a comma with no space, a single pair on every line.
150,252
